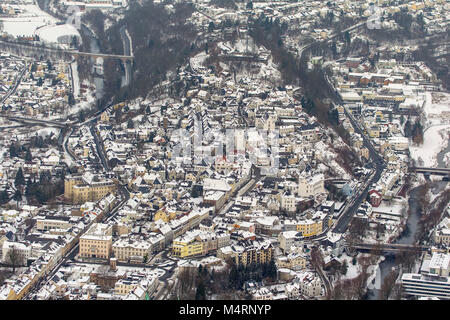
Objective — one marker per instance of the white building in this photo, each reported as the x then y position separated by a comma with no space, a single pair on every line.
23,252
311,186
287,239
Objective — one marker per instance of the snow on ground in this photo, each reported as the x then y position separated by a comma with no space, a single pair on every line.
269,71
54,32
352,270
435,139
395,207
437,128
436,105
43,132
374,280
447,159
33,21
76,79
26,23
197,61
48,131
84,105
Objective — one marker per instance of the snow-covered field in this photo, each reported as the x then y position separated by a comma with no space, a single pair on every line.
53,32
48,131
434,141
33,21
437,129
26,23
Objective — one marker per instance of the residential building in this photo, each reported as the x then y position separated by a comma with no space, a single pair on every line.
96,242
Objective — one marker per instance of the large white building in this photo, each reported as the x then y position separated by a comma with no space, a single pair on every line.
287,239
311,186
426,285
434,281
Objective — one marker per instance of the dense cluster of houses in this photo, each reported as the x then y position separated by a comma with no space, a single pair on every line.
42,92
234,171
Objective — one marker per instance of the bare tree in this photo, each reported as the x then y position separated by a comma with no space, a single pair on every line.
397,292
14,259
358,227
186,284
317,258
2,277
387,286
408,257
337,292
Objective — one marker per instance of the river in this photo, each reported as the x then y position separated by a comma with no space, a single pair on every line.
95,48
408,236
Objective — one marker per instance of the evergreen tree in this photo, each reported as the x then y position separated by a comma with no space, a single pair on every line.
272,270
333,116
4,197
307,104
195,192
28,188
81,116
407,128
233,277
200,293
28,156
347,37
20,179
211,27
344,268
17,196
71,99
334,48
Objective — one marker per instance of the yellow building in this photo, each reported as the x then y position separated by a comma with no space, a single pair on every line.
88,187
124,287
255,255
246,252
310,227
292,261
104,117
374,132
186,247
96,242
364,153
379,116
161,215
